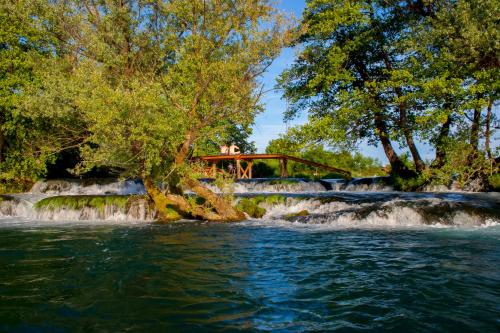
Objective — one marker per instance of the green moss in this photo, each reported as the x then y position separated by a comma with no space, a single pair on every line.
250,207
78,202
4,197
269,199
171,214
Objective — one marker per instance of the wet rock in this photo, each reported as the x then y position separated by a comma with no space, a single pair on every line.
304,212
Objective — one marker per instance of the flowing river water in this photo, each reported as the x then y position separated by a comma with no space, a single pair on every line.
363,258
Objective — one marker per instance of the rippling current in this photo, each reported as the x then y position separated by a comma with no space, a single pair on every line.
213,277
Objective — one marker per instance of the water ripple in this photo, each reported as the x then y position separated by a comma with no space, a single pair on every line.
219,277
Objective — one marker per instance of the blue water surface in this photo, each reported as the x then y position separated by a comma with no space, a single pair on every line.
211,277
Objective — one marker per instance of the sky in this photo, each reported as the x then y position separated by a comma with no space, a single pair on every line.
269,124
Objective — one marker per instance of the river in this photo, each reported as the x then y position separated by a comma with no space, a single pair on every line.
358,261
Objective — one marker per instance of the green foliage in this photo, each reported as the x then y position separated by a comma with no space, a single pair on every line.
154,82
494,182
28,142
15,186
234,134
464,166
266,169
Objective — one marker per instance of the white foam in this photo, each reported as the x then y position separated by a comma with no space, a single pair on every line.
73,187
24,209
396,213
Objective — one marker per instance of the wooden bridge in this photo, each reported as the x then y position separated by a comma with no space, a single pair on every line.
246,171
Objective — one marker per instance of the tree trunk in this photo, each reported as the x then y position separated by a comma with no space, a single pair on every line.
440,158
173,206
403,112
419,162
224,208
487,130
474,136
474,130
166,210
2,145
397,165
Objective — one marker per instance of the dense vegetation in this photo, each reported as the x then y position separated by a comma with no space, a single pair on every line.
397,72
134,86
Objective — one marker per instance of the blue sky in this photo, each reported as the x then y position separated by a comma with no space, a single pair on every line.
269,124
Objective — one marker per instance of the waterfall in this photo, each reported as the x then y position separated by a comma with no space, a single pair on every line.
390,212
132,209
88,187
360,202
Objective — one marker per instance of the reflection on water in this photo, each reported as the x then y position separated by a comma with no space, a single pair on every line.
220,277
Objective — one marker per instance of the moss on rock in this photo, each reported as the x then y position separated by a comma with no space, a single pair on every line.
249,206
77,202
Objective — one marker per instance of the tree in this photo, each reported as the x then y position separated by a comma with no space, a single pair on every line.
349,75
461,48
28,142
150,79
392,72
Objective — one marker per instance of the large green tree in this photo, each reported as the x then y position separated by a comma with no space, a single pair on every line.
395,72
150,79
28,142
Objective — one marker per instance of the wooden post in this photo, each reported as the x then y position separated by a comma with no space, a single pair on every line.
247,172
214,170
283,168
238,169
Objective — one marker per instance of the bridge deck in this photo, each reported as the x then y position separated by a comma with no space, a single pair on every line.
249,158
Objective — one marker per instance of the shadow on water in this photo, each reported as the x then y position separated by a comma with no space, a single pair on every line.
217,277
